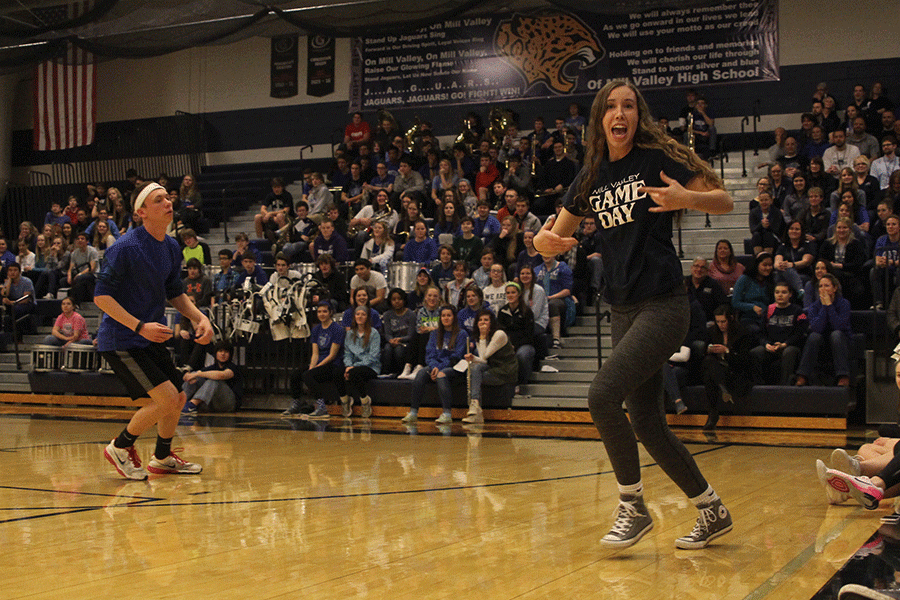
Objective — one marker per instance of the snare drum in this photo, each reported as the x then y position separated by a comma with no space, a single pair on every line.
46,358
104,365
305,268
80,359
403,275
171,316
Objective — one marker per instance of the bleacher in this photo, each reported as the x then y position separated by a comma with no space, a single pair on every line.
232,195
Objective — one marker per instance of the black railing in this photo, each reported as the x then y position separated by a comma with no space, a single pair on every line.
39,178
174,145
598,317
756,119
269,364
745,121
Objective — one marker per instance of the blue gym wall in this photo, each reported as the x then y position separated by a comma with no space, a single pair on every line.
819,41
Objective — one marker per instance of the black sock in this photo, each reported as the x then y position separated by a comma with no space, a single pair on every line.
163,447
125,439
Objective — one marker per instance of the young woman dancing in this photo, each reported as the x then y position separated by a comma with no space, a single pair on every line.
633,180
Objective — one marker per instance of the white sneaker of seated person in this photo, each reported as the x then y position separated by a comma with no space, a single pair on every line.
414,372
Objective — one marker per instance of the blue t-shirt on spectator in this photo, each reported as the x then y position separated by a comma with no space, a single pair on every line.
325,337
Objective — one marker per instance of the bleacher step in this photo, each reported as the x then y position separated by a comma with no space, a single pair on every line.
569,403
571,365
564,376
17,388
549,390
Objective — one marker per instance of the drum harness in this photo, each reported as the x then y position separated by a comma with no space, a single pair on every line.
283,306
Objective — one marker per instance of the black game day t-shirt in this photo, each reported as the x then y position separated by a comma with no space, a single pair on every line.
639,260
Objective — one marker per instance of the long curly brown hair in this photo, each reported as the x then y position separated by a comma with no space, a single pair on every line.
648,135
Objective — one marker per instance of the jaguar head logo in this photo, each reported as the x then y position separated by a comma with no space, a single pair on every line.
542,44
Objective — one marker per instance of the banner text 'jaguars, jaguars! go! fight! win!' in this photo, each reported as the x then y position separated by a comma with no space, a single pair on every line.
551,53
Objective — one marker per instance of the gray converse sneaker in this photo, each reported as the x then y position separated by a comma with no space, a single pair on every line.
318,414
294,409
714,521
632,522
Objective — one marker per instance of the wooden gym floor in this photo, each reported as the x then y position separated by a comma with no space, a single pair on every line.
373,509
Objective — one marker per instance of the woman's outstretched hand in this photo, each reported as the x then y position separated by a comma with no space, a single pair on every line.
671,197
550,244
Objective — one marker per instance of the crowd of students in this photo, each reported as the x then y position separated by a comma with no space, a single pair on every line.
67,250
825,240
823,212
426,335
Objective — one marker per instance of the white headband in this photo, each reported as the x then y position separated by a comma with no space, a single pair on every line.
146,192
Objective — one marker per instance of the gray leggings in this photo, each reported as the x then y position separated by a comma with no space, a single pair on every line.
644,336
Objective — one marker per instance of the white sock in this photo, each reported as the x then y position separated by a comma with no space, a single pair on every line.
635,490
706,498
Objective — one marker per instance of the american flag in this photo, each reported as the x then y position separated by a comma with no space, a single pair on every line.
65,91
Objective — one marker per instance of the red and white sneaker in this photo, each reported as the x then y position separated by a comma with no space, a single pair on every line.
125,460
834,496
173,464
859,487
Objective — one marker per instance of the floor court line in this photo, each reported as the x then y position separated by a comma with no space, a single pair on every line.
795,564
149,502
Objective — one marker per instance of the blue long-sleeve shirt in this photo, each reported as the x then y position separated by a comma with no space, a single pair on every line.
748,292
113,229
425,251
466,317
258,276
560,278
447,355
487,229
335,246
448,228
374,316
357,354
834,317
885,247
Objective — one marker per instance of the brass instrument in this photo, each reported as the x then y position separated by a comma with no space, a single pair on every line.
383,217
690,130
413,133
467,136
500,119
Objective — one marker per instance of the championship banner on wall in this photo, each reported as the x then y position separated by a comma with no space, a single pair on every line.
320,65
548,53
284,66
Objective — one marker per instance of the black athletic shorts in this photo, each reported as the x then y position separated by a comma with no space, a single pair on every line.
142,369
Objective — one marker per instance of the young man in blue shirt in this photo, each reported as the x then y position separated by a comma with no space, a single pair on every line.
142,271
